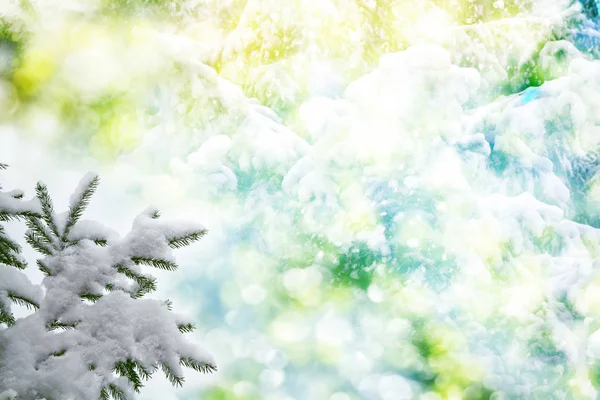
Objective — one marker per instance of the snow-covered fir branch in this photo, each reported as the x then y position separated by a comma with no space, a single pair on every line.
91,336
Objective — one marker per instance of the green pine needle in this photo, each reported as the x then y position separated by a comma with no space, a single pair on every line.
146,284
182,241
17,194
174,379
12,260
127,369
59,325
7,245
43,268
197,365
104,395
93,297
59,353
47,207
23,301
76,211
100,242
186,328
38,243
6,216
6,317
36,225
156,263
116,393
143,372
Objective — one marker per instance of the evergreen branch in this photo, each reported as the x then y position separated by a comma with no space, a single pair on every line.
43,268
97,241
111,288
168,304
112,391
93,297
146,284
59,353
155,214
36,225
3,166
76,210
156,263
104,395
37,242
127,369
174,379
6,216
7,245
100,242
186,328
186,240
23,301
6,317
116,393
17,194
203,367
47,207
12,260
143,372
59,325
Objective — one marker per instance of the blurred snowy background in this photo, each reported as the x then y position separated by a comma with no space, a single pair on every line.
401,194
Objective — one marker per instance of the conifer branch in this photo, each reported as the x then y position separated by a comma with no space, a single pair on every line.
35,224
12,260
97,241
59,353
174,379
47,207
104,395
112,391
186,328
6,216
203,367
16,194
5,316
3,166
38,243
93,297
156,263
60,325
43,268
100,242
143,372
78,207
146,283
22,301
186,240
127,369
7,245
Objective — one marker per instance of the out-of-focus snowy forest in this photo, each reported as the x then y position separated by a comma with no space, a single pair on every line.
401,194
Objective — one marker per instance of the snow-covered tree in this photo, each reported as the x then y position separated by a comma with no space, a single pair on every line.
92,336
14,285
